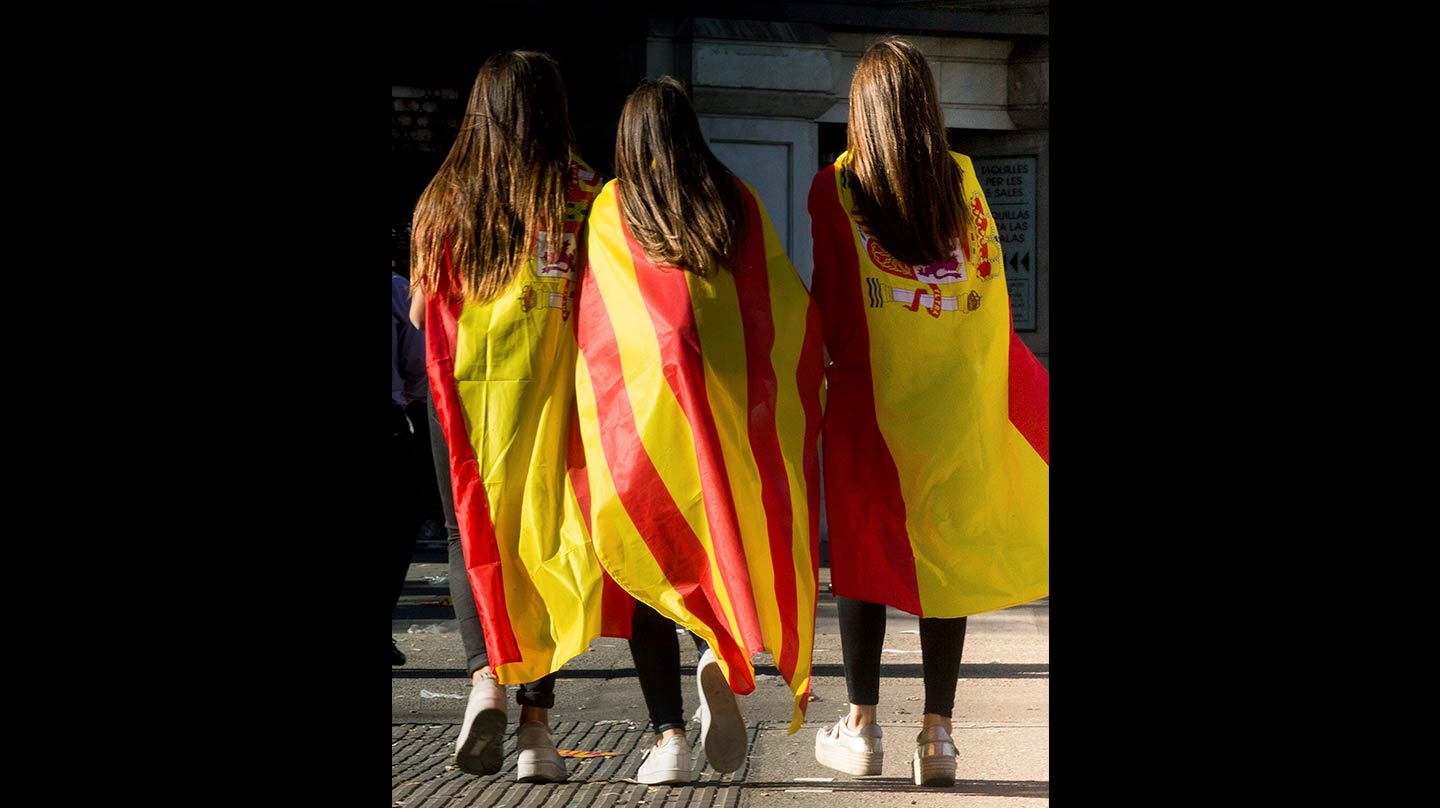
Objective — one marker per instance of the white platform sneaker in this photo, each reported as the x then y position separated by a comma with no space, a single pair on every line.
860,752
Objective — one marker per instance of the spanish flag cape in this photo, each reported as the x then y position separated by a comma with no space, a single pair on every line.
936,445
503,377
699,403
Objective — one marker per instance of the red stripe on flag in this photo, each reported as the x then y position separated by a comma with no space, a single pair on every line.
864,507
1029,386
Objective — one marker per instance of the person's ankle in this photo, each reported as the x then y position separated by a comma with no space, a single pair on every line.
666,735
478,675
859,718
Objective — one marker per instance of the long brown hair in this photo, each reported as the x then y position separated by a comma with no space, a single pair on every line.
503,181
684,206
906,184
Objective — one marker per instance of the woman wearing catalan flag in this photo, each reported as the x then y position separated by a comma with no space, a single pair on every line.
699,396
936,438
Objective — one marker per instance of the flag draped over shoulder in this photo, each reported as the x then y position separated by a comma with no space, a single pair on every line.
699,403
503,377
936,445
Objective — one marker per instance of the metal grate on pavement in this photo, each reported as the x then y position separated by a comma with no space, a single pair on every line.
424,775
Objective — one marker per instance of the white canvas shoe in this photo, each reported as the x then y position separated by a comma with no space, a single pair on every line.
722,728
671,762
479,747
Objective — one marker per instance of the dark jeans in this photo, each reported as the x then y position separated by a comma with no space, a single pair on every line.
539,693
862,638
655,647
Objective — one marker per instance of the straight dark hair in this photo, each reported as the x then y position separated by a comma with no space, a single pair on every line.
684,206
906,184
502,183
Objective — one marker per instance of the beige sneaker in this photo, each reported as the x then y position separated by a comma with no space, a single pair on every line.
538,760
934,762
479,747
722,728
860,752
671,762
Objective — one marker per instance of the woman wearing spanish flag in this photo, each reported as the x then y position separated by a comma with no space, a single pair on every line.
936,437
494,263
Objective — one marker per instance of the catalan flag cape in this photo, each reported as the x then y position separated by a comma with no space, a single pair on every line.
936,445
503,377
699,403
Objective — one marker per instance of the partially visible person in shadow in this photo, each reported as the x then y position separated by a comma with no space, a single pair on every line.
699,403
408,426
494,254
937,426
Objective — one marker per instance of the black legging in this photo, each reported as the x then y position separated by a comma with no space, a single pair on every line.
655,647
540,693
862,638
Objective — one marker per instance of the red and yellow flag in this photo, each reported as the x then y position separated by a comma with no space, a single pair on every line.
503,377
699,403
936,445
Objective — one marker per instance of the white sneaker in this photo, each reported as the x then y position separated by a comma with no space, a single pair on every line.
479,747
670,762
538,760
722,728
934,761
859,752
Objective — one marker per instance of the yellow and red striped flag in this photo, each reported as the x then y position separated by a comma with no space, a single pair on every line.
699,402
936,445
503,377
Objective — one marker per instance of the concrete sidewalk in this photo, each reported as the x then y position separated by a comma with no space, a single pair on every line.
1002,727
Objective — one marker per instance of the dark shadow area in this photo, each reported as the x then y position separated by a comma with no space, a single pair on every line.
426,589
601,50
